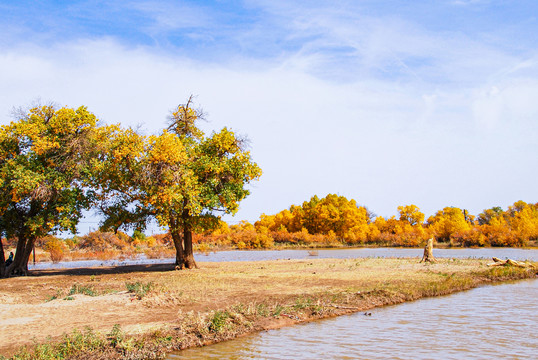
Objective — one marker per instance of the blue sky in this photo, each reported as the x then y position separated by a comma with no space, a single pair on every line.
433,103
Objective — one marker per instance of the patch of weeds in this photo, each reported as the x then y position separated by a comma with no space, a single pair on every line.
79,289
302,303
79,342
218,321
69,298
115,336
278,310
240,308
161,338
71,345
307,304
139,289
262,310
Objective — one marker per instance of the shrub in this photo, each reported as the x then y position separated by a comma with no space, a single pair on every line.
100,241
55,247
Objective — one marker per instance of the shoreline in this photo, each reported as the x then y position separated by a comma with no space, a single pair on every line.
43,257
222,301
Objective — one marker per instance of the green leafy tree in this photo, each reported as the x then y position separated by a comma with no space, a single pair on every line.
182,178
44,172
485,217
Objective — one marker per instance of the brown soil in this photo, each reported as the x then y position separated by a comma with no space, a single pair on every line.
39,306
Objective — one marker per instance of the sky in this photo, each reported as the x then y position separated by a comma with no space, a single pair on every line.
432,103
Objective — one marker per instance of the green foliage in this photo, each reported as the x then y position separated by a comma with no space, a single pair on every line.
80,289
116,335
72,344
181,177
45,168
218,321
139,289
278,310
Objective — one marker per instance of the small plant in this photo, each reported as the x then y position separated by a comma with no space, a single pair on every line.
139,289
278,310
69,298
79,289
53,297
115,336
218,321
302,303
262,310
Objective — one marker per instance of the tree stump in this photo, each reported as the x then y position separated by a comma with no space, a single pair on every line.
428,252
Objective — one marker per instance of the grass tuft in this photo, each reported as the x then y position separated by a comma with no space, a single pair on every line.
139,289
85,290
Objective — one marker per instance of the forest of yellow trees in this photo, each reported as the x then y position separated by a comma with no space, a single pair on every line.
335,221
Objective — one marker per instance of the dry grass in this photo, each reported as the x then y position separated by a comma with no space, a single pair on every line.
223,300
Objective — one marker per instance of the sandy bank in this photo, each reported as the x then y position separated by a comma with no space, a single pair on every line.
159,310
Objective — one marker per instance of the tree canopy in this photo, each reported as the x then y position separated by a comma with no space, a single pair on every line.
182,178
45,167
56,163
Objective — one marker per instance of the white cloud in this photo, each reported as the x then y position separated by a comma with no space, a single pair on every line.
409,117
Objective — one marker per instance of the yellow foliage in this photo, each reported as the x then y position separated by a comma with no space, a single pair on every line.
448,221
166,148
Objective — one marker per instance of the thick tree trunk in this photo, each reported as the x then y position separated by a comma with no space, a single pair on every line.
428,252
176,237
189,255
2,260
22,255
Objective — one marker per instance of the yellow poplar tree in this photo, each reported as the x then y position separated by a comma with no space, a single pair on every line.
45,170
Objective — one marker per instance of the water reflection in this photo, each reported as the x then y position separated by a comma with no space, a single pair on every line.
483,323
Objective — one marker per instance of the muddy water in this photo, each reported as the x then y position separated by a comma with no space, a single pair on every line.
238,255
484,323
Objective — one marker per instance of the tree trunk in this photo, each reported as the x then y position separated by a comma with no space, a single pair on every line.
428,252
189,255
176,237
19,266
2,260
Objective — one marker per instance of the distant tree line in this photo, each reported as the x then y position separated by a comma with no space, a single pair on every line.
334,220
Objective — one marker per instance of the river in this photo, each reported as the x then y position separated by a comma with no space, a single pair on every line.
260,255
489,322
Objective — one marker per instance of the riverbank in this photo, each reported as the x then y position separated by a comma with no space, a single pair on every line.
146,311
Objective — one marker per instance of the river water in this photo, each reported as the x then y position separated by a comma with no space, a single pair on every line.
259,255
484,323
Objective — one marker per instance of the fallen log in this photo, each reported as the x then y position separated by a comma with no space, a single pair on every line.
509,262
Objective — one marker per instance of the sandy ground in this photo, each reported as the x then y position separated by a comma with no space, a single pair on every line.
28,314
39,307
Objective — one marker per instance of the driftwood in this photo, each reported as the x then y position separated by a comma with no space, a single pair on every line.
509,262
428,252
